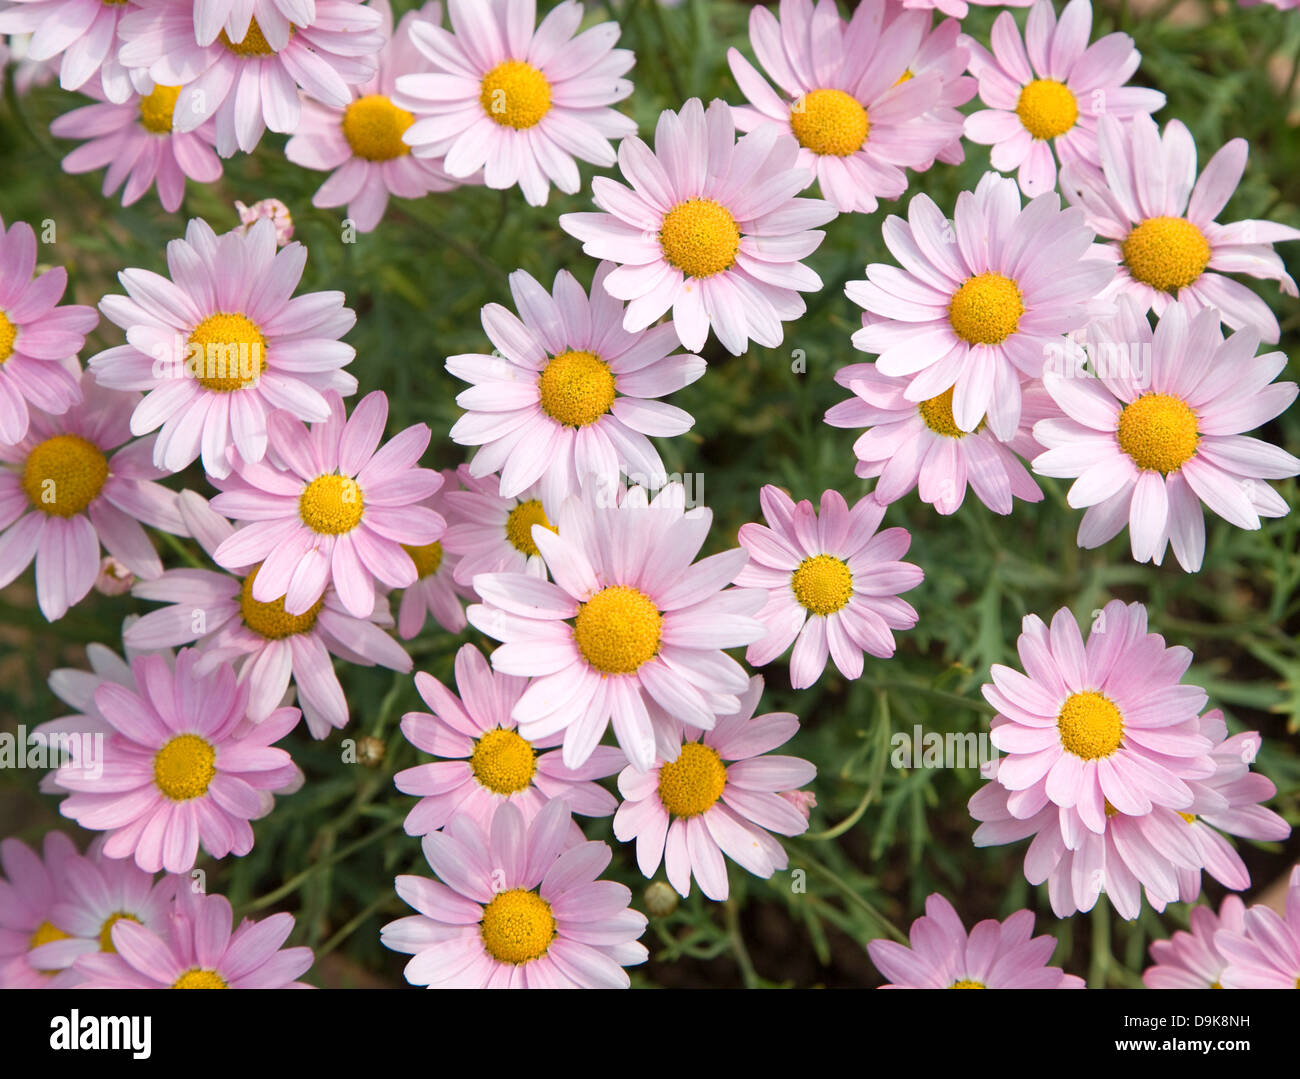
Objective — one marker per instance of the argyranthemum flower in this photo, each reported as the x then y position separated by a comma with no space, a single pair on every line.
1048,92
1189,960
439,592
516,102
979,314
710,229
138,143
267,646
30,886
65,492
848,96
273,209
36,336
342,512
1264,953
185,766
483,760
222,344
1159,219
918,444
251,83
519,908
721,795
198,950
832,583
491,533
81,33
943,50
1148,442
995,955
629,619
571,393
360,143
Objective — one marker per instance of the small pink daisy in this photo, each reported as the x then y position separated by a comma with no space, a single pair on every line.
439,593
64,492
570,394
980,314
491,533
520,907
36,336
275,210
1048,92
996,955
1147,443
516,102
82,32
959,9
221,344
1158,220
629,619
483,761
848,96
914,444
721,794
832,583
1189,960
710,228
1264,953
184,766
360,143
30,887
267,646
198,950
943,50
343,511
137,142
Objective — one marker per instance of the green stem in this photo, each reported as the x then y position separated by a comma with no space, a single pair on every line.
802,856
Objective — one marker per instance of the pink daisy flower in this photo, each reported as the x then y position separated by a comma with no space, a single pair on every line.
251,83
65,492
1147,444
1049,91
995,955
516,102
184,766
1265,952
1189,960
1157,218
342,512
570,393
137,142
832,583
710,228
221,344
627,620
198,950
267,646
30,886
275,210
439,592
959,9
83,33
36,336
721,794
360,143
914,444
520,907
979,315
233,17
491,533
483,761
848,96
943,50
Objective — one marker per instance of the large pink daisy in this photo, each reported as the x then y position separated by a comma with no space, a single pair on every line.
1189,960
81,33
30,886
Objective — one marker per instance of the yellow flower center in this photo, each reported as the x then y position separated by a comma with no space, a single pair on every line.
692,783
427,558
503,762
617,630
966,983
226,352
1047,108
184,767
830,122
47,934
1090,725
519,526
270,619
517,926
700,237
331,505
254,43
373,126
197,978
157,109
8,335
937,414
576,388
515,94
822,583
1190,818
106,930
64,474
906,76
1158,431
1167,253
986,309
